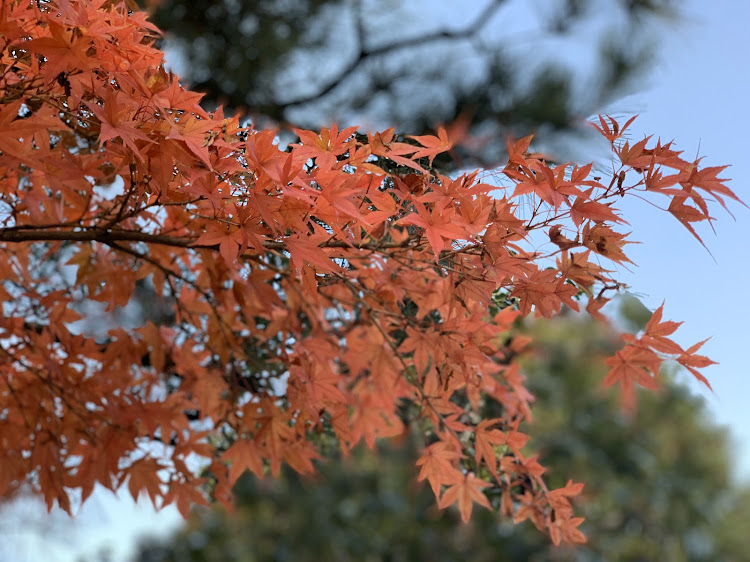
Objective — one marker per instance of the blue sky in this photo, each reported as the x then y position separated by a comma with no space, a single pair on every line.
697,95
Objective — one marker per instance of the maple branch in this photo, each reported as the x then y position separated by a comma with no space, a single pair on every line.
165,270
33,234
118,217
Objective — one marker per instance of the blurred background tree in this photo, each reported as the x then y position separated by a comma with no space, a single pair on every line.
508,66
658,485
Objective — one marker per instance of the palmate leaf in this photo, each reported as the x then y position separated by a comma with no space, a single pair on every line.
465,492
317,296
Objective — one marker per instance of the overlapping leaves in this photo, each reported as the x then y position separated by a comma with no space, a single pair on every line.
331,292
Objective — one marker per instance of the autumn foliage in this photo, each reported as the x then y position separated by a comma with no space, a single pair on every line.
334,291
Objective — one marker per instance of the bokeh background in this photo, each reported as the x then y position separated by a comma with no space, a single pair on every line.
670,484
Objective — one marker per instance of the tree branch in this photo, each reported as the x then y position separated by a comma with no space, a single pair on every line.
364,53
109,237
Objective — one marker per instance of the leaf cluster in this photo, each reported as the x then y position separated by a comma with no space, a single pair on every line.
319,299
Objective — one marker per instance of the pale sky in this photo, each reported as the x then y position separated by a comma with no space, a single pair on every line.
697,95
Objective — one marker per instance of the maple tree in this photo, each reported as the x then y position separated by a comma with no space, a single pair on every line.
334,291
651,480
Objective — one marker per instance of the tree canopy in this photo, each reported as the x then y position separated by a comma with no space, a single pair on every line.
320,294
495,64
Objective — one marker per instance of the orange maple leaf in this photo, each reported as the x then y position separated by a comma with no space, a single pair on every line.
117,122
244,455
193,132
438,465
438,227
693,362
630,366
433,145
485,441
604,241
466,492
64,50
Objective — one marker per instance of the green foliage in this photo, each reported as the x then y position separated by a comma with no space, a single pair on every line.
367,508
